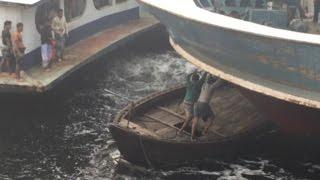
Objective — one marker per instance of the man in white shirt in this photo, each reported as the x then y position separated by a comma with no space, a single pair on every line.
202,109
59,26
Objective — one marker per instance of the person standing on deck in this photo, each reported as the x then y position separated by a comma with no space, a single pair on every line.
46,37
194,84
292,7
18,48
7,51
202,109
316,10
59,25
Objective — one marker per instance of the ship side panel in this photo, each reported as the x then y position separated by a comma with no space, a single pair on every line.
80,28
285,66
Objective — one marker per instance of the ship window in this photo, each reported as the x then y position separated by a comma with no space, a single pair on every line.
259,3
46,11
230,3
74,8
245,3
120,1
102,3
205,3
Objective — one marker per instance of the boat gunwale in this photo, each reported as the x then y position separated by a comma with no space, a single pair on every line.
283,38
157,97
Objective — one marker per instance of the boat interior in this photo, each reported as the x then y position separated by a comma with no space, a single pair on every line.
274,13
161,115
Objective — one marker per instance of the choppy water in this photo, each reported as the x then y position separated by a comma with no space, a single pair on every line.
63,134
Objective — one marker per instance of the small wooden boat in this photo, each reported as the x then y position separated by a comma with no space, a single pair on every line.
146,132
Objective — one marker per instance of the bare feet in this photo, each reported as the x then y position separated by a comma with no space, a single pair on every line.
179,132
204,133
193,139
17,77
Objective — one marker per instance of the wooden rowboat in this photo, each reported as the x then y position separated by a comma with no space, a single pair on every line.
146,132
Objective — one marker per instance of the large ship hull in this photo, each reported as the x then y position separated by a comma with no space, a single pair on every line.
281,74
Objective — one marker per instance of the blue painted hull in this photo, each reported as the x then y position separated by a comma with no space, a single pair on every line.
284,68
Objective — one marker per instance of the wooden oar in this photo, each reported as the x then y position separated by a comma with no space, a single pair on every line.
118,95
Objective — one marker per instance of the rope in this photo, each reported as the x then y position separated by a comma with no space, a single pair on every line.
144,152
131,113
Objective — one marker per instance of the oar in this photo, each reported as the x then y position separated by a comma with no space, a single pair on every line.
118,95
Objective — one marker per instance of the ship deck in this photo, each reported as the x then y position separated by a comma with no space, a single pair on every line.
76,56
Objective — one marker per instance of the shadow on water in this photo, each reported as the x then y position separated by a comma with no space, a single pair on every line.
63,133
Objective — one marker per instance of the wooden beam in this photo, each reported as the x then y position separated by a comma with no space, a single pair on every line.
161,122
181,117
171,112
138,128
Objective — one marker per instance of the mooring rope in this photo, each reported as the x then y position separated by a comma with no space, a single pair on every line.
144,152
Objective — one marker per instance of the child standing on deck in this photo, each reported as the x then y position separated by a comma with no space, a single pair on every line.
18,48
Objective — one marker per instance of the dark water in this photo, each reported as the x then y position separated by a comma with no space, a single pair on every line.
63,134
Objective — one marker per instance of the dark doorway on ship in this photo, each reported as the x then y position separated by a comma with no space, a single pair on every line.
46,11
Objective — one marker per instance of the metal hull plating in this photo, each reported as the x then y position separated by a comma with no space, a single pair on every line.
284,70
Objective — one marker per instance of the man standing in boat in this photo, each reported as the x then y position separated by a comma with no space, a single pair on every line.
194,84
202,109
59,25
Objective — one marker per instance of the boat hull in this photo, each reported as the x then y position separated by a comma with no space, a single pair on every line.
279,75
293,119
146,151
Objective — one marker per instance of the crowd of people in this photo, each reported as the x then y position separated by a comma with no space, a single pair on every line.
53,34
200,88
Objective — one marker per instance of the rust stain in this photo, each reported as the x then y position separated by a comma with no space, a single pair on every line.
263,59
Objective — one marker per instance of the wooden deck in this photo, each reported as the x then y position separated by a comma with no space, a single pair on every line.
76,56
